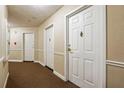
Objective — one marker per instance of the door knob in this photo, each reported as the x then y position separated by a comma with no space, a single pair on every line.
70,50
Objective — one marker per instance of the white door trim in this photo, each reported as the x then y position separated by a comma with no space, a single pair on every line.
102,51
45,44
23,54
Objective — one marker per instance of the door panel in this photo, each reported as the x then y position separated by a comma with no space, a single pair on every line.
88,71
88,41
75,39
75,63
28,47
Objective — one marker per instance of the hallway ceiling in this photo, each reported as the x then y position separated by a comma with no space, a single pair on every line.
29,15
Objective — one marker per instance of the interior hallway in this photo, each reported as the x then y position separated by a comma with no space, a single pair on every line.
34,75
18,21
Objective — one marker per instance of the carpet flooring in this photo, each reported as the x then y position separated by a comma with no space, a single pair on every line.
33,75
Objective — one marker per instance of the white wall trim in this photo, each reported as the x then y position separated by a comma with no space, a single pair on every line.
59,75
59,53
48,26
15,60
2,59
15,49
44,46
39,50
41,63
18,27
115,63
4,86
36,61
7,58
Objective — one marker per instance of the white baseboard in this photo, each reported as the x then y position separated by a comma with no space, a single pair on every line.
40,63
4,86
15,60
2,59
36,61
59,75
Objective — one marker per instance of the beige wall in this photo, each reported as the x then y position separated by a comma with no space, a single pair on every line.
115,45
57,20
16,35
3,45
115,77
15,55
115,33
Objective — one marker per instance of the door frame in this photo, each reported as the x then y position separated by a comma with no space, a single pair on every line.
45,44
23,54
102,51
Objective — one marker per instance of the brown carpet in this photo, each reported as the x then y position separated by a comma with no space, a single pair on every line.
33,75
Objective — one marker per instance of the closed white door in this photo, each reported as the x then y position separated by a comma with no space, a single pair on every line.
75,49
49,47
28,47
84,48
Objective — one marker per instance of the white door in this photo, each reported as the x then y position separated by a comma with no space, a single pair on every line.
75,49
49,47
28,47
84,47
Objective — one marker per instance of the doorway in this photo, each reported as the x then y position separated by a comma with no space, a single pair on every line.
49,46
86,46
28,54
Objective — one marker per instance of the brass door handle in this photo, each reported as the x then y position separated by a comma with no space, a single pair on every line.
70,50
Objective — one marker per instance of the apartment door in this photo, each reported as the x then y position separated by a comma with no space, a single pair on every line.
85,48
49,46
29,47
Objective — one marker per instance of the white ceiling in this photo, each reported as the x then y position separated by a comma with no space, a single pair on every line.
30,15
